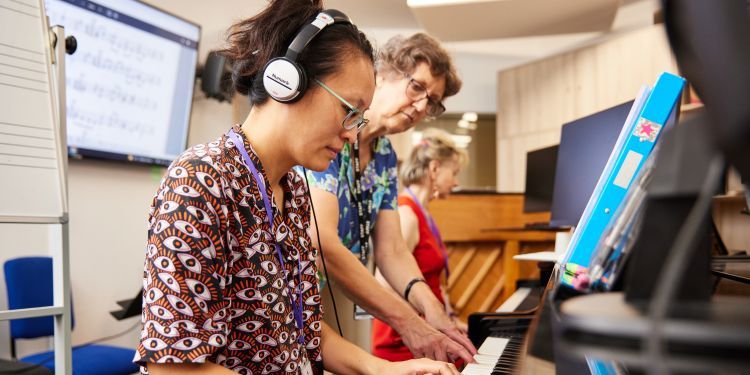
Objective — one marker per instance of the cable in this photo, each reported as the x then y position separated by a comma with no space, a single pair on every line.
52,355
322,257
677,261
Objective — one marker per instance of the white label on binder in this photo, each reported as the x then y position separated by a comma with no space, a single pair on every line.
628,169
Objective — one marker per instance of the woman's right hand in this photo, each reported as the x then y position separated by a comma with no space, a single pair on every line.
422,366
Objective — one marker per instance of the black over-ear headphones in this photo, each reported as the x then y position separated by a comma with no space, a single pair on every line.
283,78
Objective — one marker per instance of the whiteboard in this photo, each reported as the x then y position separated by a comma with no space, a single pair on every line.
32,149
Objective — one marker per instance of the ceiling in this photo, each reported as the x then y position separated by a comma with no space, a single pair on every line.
382,19
453,20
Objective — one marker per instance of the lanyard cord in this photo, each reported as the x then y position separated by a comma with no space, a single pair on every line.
434,229
362,215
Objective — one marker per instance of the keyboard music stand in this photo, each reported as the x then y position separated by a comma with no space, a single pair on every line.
129,307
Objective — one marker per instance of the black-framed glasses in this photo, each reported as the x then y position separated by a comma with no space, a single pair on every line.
416,92
354,117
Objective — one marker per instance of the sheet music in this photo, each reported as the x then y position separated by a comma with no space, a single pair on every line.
116,83
29,143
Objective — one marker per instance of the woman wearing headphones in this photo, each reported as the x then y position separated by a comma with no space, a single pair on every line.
430,172
357,195
230,274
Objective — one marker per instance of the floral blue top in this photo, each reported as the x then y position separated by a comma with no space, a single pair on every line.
379,180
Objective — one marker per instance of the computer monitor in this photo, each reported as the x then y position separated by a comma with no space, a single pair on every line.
130,83
540,179
585,147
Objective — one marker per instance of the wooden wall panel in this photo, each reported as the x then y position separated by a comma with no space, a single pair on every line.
535,100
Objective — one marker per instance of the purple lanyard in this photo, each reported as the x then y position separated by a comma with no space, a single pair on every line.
259,182
433,229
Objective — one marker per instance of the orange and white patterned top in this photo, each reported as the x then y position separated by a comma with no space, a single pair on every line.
213,288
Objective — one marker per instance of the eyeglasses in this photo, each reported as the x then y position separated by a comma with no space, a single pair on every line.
354,117
416,92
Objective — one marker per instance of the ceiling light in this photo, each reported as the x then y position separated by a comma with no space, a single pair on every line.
462,141
464,124
470,116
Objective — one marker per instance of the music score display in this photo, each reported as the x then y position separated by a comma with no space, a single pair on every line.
130,84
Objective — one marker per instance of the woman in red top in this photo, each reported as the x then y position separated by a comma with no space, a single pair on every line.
430,172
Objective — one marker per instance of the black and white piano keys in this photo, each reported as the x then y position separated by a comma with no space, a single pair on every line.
503,347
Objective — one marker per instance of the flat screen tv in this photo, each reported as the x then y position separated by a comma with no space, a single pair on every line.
129,85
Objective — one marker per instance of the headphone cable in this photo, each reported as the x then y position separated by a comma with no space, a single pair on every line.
322,257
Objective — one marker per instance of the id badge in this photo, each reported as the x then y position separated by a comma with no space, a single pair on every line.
305,367
360,313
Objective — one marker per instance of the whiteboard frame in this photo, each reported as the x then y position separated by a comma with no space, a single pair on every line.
59,242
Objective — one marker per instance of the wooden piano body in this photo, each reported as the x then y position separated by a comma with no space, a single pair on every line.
483,231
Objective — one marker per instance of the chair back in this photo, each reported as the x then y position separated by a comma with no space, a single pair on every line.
28,282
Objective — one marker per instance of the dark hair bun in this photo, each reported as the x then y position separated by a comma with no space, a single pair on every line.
242,82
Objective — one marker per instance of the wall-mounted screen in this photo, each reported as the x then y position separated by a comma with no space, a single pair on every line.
129,85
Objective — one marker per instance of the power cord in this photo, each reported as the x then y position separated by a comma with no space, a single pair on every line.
322,257
52,355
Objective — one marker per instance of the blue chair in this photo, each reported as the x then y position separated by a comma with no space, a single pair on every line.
28,282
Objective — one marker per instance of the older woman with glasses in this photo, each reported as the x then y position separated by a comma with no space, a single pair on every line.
357,196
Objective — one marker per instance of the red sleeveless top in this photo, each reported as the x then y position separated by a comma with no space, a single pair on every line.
386,342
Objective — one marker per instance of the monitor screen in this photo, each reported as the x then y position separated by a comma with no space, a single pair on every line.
585,146
129,85
540,179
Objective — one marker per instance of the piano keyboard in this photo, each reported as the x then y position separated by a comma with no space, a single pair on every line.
502,350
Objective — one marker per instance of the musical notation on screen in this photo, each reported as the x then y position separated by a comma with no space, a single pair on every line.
119,83
101,30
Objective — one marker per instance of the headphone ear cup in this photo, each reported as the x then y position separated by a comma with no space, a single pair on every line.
283,80
302,83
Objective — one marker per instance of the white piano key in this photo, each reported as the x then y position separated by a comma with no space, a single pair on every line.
493,346
478,369
486,358
515,300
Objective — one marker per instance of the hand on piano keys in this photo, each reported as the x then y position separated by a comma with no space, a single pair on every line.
496,355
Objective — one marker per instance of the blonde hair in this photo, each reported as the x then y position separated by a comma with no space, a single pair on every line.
435,145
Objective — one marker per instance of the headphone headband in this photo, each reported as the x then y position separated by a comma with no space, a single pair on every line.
283,78
308,32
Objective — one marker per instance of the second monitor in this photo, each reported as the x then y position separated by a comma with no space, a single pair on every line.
585,147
